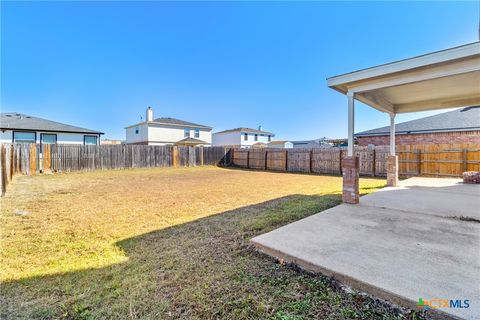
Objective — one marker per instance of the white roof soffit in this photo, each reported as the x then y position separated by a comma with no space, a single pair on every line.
444,79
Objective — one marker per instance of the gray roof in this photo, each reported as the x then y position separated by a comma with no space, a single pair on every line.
173,121
190,140
247,130
464,119
20,121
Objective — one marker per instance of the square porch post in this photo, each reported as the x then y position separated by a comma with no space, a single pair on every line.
350,164
392,159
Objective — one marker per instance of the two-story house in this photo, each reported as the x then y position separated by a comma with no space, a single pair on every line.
168,131
242,137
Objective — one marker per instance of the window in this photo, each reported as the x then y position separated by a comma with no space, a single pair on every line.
245,136
24,137
256,137
186,132
197,133
269,138
137,130
47,138
90,140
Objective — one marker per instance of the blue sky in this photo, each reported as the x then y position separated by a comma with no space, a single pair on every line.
223,64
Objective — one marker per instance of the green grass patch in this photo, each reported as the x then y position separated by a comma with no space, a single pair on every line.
164,244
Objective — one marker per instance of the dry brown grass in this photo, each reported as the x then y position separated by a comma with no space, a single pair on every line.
150,243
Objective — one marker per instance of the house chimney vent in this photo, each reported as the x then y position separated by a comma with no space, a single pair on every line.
149,116
260,128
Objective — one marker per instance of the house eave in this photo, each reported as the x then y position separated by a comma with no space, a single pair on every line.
169,125
49,130
423,60
385,133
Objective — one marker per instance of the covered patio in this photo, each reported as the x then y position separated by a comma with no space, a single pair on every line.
444,79
415,239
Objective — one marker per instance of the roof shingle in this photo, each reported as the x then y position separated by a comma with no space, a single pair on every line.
173,121
463,119
246,130
19,121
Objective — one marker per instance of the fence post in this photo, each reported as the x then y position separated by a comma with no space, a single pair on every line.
374,161
248,159
12,164
464,158
33,159
265,164
47,158
3,169
419,162
311,160
340,169
286,160
175,156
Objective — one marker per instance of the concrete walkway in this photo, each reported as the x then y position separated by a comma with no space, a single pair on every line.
418,240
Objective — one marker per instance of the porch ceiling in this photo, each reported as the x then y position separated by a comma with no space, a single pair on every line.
443,79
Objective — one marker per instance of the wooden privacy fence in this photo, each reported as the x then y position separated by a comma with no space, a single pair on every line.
32,159
414,160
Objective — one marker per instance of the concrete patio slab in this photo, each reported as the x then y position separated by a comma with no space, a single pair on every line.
448,198
396,252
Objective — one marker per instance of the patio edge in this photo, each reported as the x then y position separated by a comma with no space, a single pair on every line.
349,281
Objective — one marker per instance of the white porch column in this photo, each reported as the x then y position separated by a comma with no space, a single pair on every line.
351,122
392,134
392,159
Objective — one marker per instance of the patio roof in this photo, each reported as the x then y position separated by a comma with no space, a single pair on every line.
443,79
189,141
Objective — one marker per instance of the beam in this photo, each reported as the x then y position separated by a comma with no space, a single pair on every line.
351,122
437,104
438,57
376,101
392,134
417,75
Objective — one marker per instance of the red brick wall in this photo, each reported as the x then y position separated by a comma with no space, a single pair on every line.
427,138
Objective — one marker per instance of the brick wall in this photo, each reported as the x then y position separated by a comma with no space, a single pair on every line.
427,138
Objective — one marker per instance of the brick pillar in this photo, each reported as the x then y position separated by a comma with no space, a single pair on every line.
351,170
392,171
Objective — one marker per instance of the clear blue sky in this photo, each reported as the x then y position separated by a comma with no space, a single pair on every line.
223,64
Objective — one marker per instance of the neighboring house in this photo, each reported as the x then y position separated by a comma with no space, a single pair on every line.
455,127
111,141
316,143
281,144
259,145
22,128
242,137
168,131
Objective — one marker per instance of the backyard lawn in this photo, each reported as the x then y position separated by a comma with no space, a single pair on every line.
165,243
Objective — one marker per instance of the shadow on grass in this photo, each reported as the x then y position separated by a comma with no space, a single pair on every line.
201,269
326,174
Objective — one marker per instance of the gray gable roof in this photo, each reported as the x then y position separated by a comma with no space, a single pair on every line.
464,119
19,121
173,121
247,130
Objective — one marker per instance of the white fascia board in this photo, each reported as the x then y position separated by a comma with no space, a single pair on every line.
460,52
